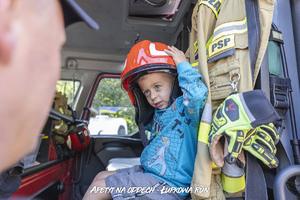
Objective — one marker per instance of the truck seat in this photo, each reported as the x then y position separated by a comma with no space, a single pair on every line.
121,163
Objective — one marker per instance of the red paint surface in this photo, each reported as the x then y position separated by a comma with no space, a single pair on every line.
36,182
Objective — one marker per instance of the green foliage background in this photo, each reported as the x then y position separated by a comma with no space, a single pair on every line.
68,88
110,94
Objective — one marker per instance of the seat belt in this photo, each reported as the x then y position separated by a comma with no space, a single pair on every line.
143,135
255,179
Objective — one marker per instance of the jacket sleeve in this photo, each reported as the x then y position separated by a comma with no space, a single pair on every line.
194,91
203,23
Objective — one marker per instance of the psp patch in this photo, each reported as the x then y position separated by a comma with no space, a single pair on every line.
223,44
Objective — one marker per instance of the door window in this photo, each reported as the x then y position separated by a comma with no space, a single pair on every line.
68,88
111,111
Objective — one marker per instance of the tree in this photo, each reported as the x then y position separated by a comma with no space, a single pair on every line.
68,88
110,94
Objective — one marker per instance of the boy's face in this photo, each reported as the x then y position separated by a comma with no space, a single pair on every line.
156,87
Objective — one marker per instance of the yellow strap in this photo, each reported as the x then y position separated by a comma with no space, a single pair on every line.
233,185
214,5
203,132
195,65
209,42
206,46
196,46
214,165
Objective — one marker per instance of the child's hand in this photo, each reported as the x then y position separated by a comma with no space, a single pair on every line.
177,55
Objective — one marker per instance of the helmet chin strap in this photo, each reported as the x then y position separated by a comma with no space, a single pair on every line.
175,91
143,113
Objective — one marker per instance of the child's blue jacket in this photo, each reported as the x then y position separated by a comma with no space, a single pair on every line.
170,156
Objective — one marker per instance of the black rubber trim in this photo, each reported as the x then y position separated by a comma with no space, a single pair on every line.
41,167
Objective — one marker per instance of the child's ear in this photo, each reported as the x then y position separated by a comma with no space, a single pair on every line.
7,37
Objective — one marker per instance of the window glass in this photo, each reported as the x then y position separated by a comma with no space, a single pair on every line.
112,111
68,88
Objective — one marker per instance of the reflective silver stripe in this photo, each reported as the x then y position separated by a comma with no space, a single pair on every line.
249,114
230,28
207,114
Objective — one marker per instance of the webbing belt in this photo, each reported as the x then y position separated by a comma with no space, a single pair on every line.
256,187
279,87
253,24
255,179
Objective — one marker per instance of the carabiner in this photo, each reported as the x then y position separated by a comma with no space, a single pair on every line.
234,82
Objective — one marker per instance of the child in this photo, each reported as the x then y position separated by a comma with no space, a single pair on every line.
151,74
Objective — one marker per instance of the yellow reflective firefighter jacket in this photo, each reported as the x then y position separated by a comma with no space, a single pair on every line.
219,49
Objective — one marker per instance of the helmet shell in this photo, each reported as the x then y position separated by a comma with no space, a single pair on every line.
145,56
